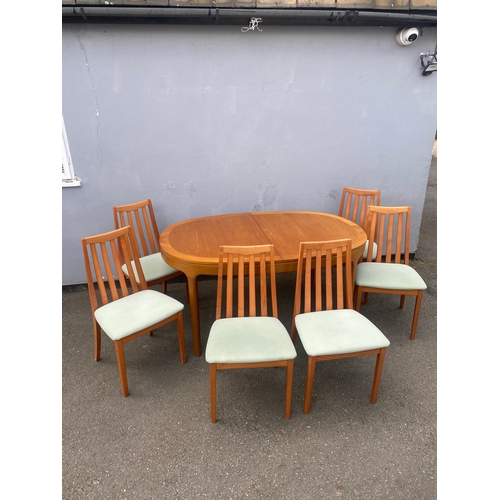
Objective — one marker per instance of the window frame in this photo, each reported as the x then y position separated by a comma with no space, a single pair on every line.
69,179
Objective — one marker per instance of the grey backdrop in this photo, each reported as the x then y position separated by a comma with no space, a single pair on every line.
209,120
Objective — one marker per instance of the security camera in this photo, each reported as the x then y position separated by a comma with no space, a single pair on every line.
407,36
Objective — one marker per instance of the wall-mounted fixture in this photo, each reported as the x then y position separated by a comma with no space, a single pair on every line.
407,36
429,62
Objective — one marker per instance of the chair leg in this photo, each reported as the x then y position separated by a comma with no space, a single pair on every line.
402,301
293,332
213,390
288,396
359,294
365,299
97,341
418,303
311,368
164,287
120,357
180,335
378,373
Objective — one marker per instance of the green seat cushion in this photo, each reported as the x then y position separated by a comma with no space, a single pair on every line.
153,267
249,340
388,276
374,251
135,312
338,332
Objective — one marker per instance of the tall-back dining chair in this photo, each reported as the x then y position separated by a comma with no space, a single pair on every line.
140,216
327,325
354,206
249,333
389,271
122,313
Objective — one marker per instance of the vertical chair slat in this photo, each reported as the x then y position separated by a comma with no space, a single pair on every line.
241,286
329,284
99,278
108,271
380,234
151,238
407,237
229,287
390,229
349,303
263,285
220,279
139,229
128,256
115,252
362,217
348,208
340,282
307,284
355,200
317,282
252,308
399,234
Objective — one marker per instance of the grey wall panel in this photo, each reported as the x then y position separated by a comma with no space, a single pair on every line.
210,120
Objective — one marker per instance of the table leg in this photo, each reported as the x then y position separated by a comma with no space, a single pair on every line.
356,257
195,314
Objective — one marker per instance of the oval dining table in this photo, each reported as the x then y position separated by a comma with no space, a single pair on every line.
192,246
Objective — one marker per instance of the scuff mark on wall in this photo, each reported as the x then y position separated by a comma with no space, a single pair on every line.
191,187
270,196
93,90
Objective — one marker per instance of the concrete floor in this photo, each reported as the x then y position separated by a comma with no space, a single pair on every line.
159,443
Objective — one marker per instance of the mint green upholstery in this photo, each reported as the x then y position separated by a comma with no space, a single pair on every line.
374,251
153,267
135,312
249,340
388,276
338,332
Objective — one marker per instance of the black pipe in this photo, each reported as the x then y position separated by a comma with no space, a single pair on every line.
216,15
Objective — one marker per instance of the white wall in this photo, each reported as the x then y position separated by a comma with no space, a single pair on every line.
208,120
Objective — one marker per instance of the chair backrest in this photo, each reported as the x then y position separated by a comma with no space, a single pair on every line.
103,256
250,265
389,227
140,216
320,264
354,204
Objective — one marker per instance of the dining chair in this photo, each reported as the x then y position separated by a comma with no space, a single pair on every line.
243,334
124,313
140,216
354,206
329,328
389,272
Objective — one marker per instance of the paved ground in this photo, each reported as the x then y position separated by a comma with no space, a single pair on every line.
159,443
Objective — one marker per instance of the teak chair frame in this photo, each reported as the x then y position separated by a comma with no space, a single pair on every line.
104,255
141,217
240,262
390,228
355,202
317,278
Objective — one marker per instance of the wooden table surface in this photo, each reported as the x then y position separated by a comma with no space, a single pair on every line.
192,246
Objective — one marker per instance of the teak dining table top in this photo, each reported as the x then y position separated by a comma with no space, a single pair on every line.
192,246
